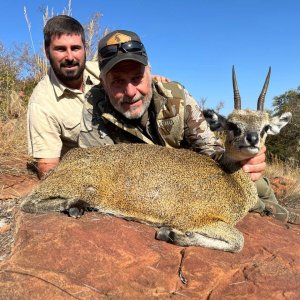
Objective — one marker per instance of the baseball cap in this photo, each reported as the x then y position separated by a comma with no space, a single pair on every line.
118,46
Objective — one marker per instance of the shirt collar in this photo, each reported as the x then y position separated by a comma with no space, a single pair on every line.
60,89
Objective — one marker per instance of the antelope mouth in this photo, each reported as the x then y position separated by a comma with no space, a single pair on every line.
249,147
249,150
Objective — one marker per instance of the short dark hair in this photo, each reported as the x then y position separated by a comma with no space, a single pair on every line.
62,24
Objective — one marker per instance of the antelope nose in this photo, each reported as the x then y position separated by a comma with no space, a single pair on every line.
252,138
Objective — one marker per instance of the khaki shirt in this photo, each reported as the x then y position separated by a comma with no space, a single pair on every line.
54,114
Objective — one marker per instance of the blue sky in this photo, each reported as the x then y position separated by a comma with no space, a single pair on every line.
195,42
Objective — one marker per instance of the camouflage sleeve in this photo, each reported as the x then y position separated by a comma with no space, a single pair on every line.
197,133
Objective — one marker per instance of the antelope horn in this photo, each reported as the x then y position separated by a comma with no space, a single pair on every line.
237,97
261,98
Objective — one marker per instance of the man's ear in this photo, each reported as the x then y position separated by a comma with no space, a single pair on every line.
215,121
47,52
278,122
102,82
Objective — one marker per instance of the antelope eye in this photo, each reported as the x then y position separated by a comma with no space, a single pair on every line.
265,130
233,127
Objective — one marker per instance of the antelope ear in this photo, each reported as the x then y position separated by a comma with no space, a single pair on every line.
215,121
278,122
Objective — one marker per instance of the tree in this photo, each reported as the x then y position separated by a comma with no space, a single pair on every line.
286,145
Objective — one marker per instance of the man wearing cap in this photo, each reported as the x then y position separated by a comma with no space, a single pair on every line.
129,107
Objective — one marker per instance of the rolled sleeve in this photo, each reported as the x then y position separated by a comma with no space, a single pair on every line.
43,133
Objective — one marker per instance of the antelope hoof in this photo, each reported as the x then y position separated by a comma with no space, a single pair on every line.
75,212
165,234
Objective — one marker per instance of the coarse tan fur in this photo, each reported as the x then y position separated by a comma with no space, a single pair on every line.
169,188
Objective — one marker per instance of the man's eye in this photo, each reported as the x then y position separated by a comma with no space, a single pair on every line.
76,48
137,79
117,82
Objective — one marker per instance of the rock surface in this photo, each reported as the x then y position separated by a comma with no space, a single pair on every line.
15,179
102,257
96,256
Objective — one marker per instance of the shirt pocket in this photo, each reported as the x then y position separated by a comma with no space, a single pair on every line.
71,129
170,125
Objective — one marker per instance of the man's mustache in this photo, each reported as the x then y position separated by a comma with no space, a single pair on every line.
127,99
69,63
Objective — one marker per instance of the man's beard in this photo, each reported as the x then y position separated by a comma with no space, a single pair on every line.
65,74
129,114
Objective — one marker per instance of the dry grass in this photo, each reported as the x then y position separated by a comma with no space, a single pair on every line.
278,168
13,144
13,137
289,175
13,127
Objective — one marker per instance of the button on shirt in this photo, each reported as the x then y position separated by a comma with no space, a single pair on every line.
54,114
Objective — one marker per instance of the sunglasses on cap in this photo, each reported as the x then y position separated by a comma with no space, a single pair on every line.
110,51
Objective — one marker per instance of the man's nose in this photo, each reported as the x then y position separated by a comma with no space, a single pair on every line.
130,90
69,55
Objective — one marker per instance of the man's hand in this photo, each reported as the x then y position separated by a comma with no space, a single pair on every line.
256,165
44,165
160,78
